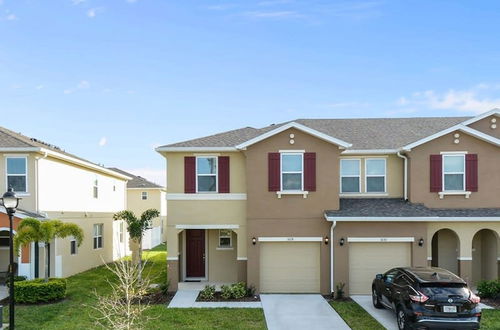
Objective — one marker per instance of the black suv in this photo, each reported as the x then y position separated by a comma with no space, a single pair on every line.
427,297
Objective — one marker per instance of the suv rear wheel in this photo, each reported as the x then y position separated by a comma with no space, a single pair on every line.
376,299
402,319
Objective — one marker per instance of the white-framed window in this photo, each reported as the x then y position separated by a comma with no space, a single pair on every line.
17,173
98,235
350,175
454,172
95,190
375,171
206,174
225,238
121,232
292,171
144,195
73,247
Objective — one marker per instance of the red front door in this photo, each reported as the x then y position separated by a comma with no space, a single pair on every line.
195,253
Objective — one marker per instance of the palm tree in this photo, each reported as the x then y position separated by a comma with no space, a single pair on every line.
137,226
31,230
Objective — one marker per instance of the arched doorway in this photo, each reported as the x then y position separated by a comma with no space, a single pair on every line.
484,255
445,250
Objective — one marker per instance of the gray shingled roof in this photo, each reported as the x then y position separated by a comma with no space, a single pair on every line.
137,181
363,133
397,207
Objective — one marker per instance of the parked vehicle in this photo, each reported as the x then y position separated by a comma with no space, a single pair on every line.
427,297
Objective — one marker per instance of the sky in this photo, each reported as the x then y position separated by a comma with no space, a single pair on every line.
110,80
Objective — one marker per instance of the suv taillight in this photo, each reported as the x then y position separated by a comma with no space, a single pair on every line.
474,299
420,298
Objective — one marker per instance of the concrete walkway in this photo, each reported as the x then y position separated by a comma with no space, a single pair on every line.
187,299
300,311
4,292
384,316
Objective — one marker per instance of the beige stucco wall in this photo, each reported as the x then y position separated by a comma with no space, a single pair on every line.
394,176
488,194
28,201
156,200
222,264
175,170
484,125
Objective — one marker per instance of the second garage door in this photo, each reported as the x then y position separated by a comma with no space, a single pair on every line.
289,267
368,259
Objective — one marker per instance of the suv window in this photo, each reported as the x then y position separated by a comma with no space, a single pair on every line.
445,289
401,281
391,275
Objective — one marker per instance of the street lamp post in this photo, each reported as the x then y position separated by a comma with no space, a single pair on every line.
10,201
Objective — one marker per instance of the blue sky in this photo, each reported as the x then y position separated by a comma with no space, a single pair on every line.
109,80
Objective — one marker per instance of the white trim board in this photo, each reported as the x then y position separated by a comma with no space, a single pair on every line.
416,219
495,111
207,197
380,239
464,258
219,226
195,149
172,258
241,258
290,239
298,126
369,152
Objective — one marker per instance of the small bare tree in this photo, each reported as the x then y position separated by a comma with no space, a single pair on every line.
123,309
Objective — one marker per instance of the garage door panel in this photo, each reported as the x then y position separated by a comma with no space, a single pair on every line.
289,267
368,259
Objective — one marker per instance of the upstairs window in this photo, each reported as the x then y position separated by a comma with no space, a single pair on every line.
17,174
98,236
375,175
206,174
144,195
350,176
73,247
292,174
225,238
95,190
454,172
121,232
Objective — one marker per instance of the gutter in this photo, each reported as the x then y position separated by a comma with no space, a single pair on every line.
405,181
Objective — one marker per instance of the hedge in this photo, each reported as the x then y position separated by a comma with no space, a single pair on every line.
36,291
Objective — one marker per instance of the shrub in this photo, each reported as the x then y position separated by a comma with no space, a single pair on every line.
16,279
208,292
239,290
36,291
250,291
489,289
226,292
164,287
340,290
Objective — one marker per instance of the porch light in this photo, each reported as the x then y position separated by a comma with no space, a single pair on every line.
254,240
326,240
342,241
10,201
421,242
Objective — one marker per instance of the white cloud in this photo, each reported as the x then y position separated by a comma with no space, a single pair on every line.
77,2
92,12
131,1
11,17
273,14
103,141
273,2
475,99
157,176
39,87
83,84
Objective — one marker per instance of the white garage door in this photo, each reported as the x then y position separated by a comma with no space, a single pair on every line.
368,259
289,267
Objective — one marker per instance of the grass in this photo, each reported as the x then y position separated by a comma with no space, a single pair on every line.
359,319
75,313
355,316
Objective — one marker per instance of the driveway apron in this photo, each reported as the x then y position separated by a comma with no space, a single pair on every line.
300,311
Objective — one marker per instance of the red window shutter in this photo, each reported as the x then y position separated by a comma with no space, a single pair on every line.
189,175
274,171
471,177
310,171
436,173
223,169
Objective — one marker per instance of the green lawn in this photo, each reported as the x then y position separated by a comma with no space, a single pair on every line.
355,316
74,312
358,319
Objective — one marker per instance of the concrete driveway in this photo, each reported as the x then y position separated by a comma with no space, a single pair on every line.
384,316
300,311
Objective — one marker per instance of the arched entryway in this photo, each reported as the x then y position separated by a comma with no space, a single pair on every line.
445,250
484,255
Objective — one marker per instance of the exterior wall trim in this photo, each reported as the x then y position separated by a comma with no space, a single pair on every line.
416,219
172,258
195,149
241,258
380,239
495,111
465,258
290,239
219,226
207,197
369,152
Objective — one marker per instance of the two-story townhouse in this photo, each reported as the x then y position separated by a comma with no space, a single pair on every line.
304,205
141,196
54,184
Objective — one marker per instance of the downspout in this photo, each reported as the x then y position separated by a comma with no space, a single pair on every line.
331,255
405,181
36,182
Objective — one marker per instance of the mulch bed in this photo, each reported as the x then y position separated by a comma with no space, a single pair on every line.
218,297
495,303
329,298
157,298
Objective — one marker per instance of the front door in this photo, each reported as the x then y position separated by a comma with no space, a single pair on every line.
195,253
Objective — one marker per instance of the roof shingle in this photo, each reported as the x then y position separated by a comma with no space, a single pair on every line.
137,181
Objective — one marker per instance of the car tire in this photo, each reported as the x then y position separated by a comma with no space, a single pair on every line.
376,299
402,319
